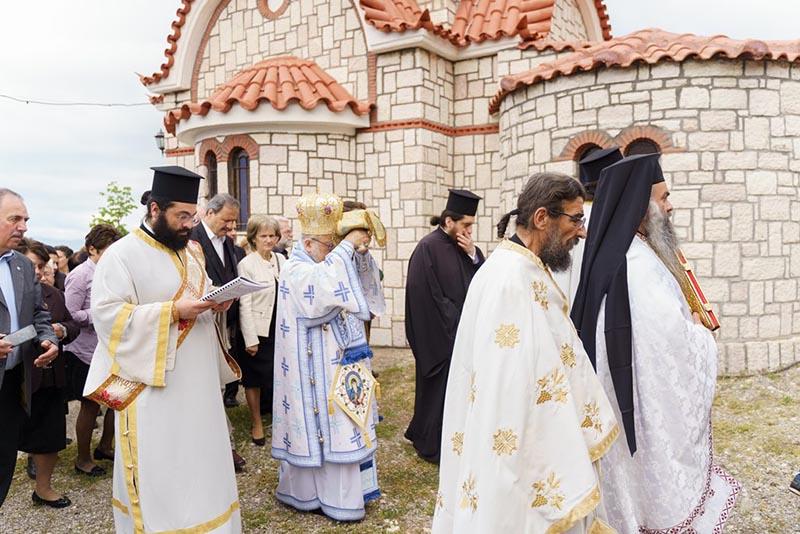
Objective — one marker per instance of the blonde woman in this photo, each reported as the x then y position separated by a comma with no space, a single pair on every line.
257,317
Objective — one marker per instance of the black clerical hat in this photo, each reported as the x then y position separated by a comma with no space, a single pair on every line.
653,170
462,202
594,163
175,184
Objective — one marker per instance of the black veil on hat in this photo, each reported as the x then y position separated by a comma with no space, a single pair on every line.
620,204
592,165
175,183
463,202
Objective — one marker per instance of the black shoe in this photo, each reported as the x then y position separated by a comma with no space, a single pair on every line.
96,471
230,402
794,487
238,462
61,502
31,468
102,455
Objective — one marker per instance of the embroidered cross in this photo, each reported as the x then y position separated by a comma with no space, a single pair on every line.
286,441
309,294
284,328
356,437
284,366
284,289
285,405
343,292
335,359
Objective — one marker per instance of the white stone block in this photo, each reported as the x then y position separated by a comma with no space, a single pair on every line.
618,116
664,99
727,260
699,141
273,155
764,102
718,120
756,133
790,97
694,97
763,268
729,98
761,182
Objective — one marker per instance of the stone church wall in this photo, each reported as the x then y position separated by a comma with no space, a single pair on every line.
732,159
567,23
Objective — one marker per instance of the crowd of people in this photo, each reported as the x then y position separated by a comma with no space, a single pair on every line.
574,380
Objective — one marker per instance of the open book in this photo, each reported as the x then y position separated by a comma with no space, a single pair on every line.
234,289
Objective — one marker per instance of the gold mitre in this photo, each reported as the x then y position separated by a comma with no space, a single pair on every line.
364,220
319,213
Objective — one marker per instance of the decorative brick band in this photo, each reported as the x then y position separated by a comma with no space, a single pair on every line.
223,150
576,145
458,131
263,7
183,151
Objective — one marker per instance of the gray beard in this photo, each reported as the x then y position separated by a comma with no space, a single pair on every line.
662,239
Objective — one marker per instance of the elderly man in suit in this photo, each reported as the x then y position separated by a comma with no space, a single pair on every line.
220,217
20,306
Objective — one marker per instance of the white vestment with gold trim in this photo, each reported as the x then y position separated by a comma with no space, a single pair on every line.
172,463
671,484
525,419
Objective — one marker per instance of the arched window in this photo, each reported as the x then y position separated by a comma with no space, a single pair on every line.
211,177
239,182
642,146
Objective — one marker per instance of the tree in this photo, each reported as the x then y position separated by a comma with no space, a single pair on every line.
119,204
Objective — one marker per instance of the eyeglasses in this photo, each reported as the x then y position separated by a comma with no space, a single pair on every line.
578,220
329,246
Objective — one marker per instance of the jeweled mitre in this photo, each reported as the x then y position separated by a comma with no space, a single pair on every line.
319,213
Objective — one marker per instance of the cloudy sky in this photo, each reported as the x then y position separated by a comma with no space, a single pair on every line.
61,158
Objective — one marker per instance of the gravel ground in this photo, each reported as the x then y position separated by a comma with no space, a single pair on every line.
756,423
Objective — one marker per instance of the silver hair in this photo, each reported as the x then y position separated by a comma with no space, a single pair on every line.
4,192
662,239
221,200
282,219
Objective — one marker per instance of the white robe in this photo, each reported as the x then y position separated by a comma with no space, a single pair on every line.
671,484
327,460
525,419
569,279
172,463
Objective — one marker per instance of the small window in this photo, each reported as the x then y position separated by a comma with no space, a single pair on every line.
642,146
211,177
239,183
585,150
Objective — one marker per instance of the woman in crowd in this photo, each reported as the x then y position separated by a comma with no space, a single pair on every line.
63,252
44,433
78,297
257,317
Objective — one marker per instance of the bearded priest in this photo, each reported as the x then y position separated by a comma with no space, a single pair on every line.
160,364
525,419
324,408
656,360
590,168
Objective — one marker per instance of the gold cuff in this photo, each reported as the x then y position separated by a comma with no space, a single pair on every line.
175,316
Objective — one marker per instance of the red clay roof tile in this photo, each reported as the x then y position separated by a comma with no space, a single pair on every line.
279,81
172,39
648,46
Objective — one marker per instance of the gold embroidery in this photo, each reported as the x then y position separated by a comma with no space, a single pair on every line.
127,433
162,345
505,442
601,527
540,293
507,336
469,495
581,510
208,526
552,387
118,504
458,443
568,355
473,389
599,450
591,418
547,492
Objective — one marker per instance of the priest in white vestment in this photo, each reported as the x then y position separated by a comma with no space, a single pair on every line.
324,407
656,360
590,167
526,421
159,363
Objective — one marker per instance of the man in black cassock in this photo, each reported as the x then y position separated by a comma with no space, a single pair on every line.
439,272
